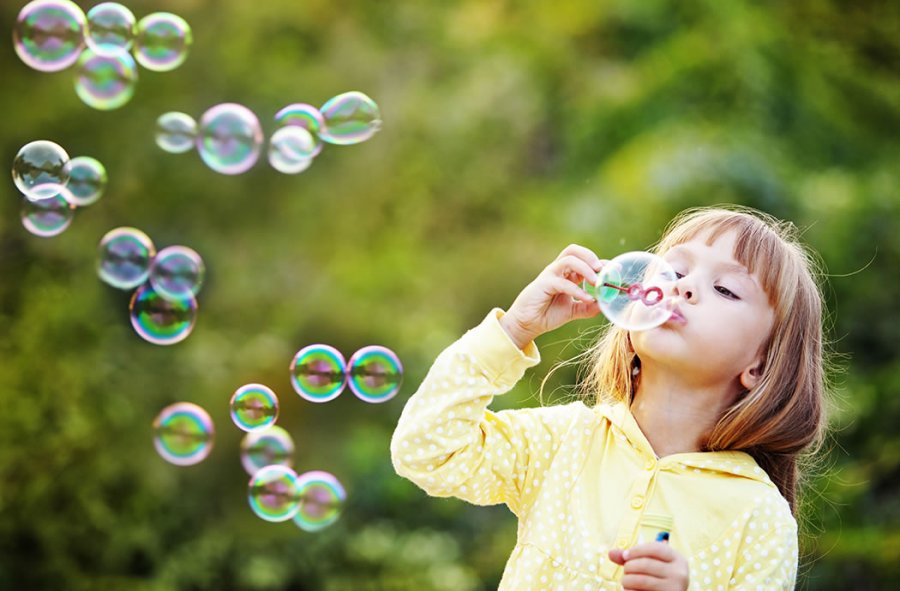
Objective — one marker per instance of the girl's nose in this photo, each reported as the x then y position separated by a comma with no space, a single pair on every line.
685,290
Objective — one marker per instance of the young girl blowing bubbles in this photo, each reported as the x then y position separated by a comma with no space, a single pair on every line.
693,428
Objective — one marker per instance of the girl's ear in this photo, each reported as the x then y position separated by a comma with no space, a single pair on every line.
751,376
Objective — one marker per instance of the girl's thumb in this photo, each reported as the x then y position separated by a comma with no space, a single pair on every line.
616,556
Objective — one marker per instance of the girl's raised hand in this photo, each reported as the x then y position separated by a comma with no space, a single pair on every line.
653,566
549,301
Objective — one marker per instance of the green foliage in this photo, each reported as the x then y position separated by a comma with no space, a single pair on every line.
510,130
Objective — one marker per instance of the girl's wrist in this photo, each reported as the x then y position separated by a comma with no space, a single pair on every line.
515,331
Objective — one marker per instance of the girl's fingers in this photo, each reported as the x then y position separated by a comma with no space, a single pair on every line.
582,253
646,566
574,269
557,285
658,550
642,583
586,309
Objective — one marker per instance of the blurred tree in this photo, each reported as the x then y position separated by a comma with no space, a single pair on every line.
510,130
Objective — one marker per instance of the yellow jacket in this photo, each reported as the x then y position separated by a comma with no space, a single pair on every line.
583,480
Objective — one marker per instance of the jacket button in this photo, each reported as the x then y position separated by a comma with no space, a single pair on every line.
637,501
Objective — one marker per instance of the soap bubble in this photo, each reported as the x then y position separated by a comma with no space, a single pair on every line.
176,132
350,118
266,447
183,434
230,138
105,82
375,374
39,169
177,272
254,407
272,493
47,217
124,257
634,290
306,116
87,181
318,373
321,499
160,321
162,41
110,28
49,34
291,150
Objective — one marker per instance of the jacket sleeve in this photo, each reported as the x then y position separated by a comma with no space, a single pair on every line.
449,444
769,554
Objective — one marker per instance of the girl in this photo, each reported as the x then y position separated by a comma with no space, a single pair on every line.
693,429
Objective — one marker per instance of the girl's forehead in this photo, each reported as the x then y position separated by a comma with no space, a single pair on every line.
722,244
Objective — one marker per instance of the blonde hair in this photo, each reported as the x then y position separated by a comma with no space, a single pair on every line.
783,416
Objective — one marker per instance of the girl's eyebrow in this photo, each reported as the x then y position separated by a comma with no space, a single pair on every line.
737,268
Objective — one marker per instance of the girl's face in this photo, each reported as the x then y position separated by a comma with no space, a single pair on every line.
721,322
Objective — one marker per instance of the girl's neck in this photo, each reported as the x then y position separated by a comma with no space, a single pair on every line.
676,416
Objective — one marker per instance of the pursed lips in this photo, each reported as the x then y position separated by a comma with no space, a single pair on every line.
677,317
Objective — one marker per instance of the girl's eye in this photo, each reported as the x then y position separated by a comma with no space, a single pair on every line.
727,292
678,275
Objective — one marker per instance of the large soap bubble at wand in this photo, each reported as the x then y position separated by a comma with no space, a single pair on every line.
634,290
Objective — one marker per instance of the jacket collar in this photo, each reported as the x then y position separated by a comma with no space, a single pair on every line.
733,463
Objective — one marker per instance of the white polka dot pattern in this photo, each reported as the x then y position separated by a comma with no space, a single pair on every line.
583,481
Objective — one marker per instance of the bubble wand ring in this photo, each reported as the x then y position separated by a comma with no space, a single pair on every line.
637,292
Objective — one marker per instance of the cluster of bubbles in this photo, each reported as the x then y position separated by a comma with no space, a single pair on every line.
319,373
277,493
184,432
229,136
634,290
54,185
105,46
184,435
163,308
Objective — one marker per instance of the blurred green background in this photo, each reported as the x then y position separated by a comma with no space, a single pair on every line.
511,129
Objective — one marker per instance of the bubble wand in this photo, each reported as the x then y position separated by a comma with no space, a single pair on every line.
630,278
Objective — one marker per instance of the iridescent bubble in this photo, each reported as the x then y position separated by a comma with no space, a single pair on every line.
39,169
177,272
272,493
160,321
306,116
176,132
87,180
105,82
162,41
375,374
230,138
634,290
47,217
183,434
321,499
49,34
350,118
265,448
110,28
124,257
319,373
254,407
291,149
